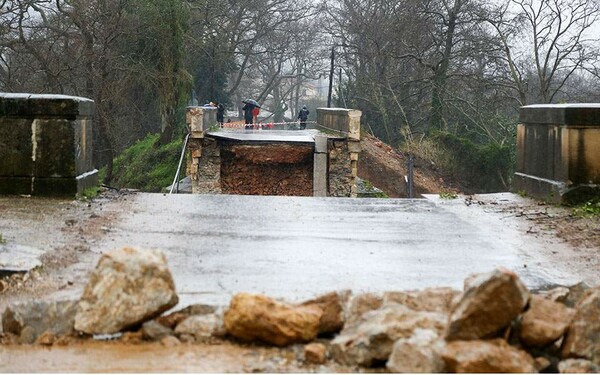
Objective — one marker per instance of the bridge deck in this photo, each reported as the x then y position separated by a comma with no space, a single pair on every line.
294,136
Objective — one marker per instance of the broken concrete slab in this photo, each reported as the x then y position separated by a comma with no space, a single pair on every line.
19,258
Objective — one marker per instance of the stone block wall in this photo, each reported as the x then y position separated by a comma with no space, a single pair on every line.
558,152
46,145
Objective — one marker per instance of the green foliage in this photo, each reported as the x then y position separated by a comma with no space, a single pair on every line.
2,240
448,195
483,167
588,209
146,167
90,193
371,191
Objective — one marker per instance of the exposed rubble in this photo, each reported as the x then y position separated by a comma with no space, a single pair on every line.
494,325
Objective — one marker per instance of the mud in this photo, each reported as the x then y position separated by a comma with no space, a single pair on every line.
110,357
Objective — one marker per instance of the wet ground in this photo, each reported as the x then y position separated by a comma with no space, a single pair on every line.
289,247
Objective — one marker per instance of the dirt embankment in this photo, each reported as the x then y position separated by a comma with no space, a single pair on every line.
385,168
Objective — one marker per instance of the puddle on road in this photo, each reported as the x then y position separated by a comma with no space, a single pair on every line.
110,357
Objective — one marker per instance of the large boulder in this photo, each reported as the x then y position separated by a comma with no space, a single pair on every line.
36,317
127,288
256,317
583,335
370,339
332,320
489,303
544,322
420,353
494,356
430,299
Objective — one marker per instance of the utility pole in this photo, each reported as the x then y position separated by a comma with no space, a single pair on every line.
331,77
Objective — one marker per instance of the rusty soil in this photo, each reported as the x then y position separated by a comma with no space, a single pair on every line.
69,230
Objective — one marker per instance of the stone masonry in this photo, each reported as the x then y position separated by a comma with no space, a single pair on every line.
557,152
46,145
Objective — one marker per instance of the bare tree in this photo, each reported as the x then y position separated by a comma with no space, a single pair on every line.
545,42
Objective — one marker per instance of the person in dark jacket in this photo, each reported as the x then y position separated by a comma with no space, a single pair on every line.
303,116
247,108
220,114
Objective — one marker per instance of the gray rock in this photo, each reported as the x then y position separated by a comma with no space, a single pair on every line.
127,288
370,339
153,330
39,317
577,366
420,353
201,327
490,302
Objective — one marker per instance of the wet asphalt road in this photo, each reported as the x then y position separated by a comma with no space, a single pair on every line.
297,247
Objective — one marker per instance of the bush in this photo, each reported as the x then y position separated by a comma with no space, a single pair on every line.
486,168
147,167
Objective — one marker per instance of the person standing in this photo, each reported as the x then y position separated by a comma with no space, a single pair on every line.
247,108
303,116
220,114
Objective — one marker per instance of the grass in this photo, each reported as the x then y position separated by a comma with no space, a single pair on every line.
448,195
2,240
146,167
588,209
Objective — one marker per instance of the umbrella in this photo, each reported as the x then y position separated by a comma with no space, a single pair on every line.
251,102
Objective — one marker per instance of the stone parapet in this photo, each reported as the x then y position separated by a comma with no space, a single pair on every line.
200,120
340,120
557,152
46,145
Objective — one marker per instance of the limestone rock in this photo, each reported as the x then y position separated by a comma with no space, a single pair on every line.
577,366
558,294
332,320
128,287
542,363
544,322
486,356
153,330
490,302
430,299
47,338
200,326
576,292
361,304
583,335
370,339
421,353
315,353
256,317
173,319
55,317
170,341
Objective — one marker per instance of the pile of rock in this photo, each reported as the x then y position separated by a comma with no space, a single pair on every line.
494,325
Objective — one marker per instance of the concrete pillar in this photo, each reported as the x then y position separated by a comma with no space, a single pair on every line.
320,173
201,120
558,156
46,145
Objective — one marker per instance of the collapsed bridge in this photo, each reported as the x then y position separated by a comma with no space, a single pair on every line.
322,161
